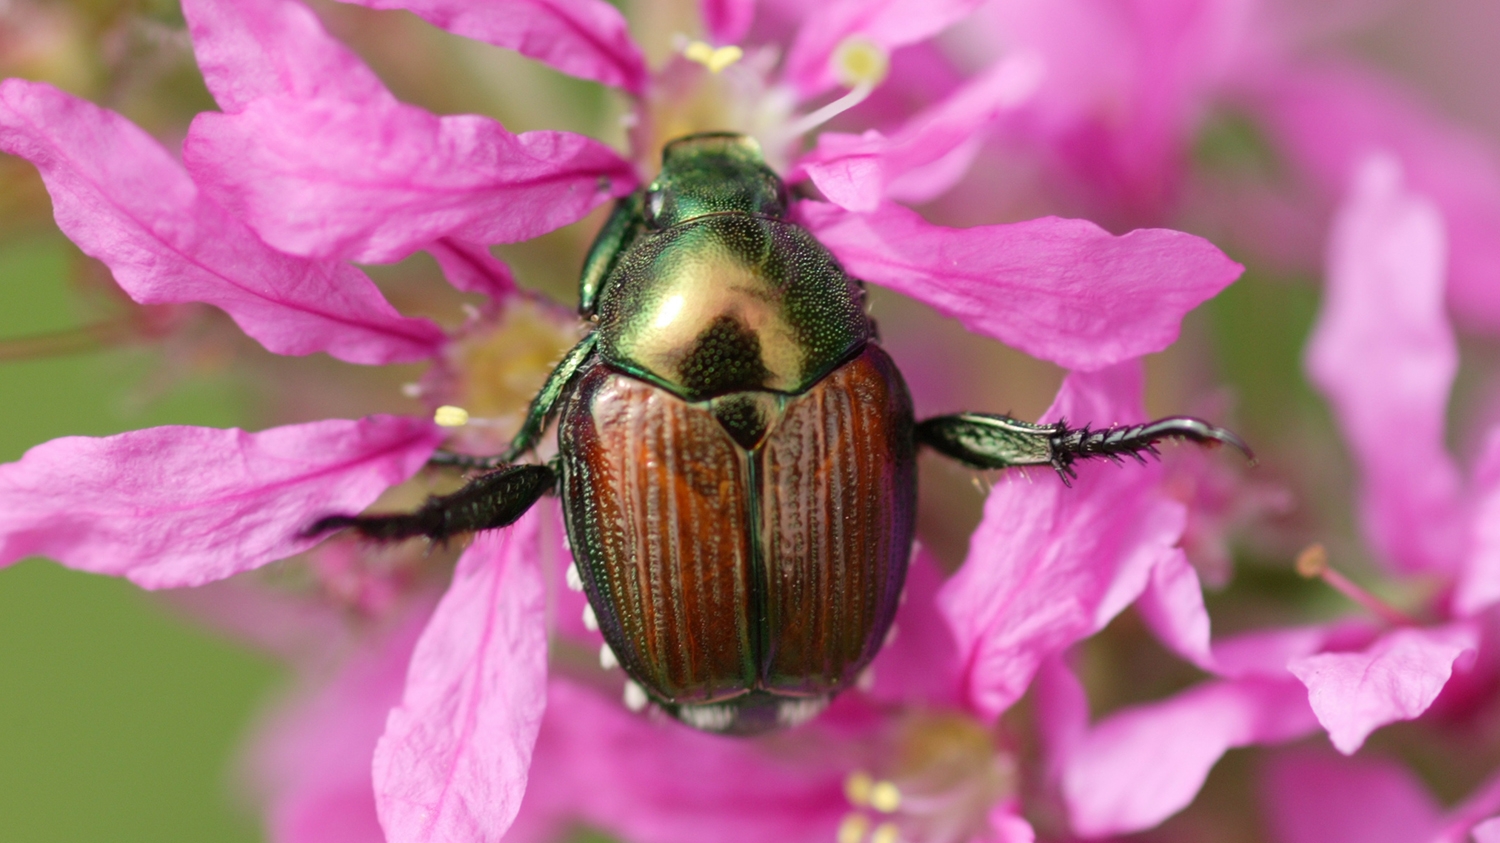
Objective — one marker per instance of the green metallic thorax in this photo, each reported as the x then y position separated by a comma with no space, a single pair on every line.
702,286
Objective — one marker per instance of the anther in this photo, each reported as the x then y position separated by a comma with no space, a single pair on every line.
859,64
860,61
853,828
885,833
885,797
857,788
714,60
590,620
635,696
607,658
451,416
1312,563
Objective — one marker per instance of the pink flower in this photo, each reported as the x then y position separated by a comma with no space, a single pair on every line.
1384,353
311,163
1098,111
1321,796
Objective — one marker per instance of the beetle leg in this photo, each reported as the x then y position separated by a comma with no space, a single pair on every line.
984,441
467,462
545,402
620,230
488,501
537,415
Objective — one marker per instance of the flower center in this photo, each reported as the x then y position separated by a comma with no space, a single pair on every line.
493,369
944,775
729,89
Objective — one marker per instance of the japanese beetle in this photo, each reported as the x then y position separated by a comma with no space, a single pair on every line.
736,454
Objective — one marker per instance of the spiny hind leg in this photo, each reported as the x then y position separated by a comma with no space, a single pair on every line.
488,501
985,441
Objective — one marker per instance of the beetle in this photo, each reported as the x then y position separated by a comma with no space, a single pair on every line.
736,454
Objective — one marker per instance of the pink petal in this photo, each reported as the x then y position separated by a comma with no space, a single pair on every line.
313,757
642,778
470,267
586,38
248,49
854,171
921,665
727,21
1265,653
122,199
1061,290
1314,796
179,506
886,23
1126,89
1050,565
1062,712
1172,606
1010,827
1142,764
1326,119
1479,580
1384,354
452,762
1487,831
333,179
1468,815
1396,678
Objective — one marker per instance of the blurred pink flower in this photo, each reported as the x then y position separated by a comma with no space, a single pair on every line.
311,163
1320,796
1107,103
1384,353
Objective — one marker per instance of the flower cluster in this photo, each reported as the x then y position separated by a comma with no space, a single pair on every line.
478,713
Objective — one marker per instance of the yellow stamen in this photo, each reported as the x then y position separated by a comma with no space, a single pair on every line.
853,828
859,61
1312,561
885,797
714,60
451,416
857,788
885,833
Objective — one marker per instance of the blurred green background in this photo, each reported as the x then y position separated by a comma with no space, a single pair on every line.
116,717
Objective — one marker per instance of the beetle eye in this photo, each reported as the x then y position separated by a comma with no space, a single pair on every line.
656,202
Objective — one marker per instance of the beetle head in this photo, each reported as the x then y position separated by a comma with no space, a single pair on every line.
713,173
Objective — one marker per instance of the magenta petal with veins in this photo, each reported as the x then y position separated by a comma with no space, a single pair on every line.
169,507
250,49
1395,678
586,38
336,179
1062,290
123,199
452,764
